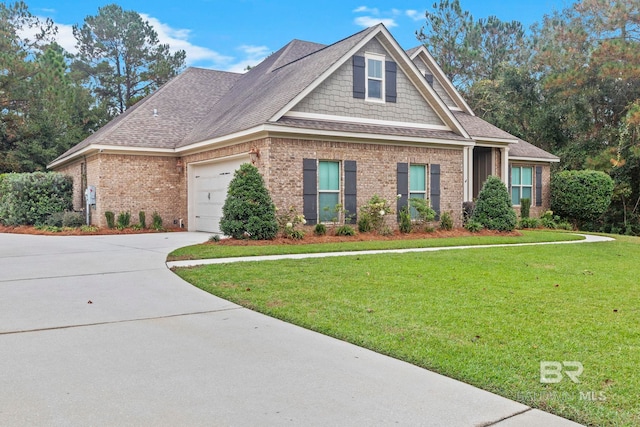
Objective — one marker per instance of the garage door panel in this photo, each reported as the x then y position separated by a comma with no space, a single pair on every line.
211,182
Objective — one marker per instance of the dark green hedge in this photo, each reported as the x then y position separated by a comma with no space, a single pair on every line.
582,195
30,198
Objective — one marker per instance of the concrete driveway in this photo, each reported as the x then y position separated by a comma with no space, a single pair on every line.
97,331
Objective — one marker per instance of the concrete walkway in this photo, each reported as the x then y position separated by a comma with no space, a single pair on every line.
97,331
588,238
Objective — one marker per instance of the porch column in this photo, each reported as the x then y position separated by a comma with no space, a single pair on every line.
467,162
505,165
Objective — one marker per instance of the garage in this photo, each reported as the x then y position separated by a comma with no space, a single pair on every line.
208,184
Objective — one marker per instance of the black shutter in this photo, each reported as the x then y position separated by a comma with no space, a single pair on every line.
403,186
538,185
434,195
390,72
310,190
359,80
350,190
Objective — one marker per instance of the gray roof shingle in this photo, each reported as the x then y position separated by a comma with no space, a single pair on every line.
201,104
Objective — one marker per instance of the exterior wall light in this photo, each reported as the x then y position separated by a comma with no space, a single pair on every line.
254,155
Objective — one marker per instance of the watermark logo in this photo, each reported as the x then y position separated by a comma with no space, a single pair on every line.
551,372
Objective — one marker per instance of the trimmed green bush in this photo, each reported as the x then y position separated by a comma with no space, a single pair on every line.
493,207
525,207
345,230
473,226
405,220
156,221
31,198
320,230
142,219
124,220
248,211
446,222
582,195
111,219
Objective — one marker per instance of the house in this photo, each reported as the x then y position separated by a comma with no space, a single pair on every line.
323,124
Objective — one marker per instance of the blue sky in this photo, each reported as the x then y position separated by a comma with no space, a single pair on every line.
231,34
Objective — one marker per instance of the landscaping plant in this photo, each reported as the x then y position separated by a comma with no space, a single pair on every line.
581,195
493,207
248,211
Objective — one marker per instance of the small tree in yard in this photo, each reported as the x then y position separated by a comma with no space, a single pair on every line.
493,207
248,211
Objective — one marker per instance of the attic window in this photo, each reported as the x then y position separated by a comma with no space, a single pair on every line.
375,77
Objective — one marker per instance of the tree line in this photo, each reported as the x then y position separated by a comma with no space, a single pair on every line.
51,99
570,85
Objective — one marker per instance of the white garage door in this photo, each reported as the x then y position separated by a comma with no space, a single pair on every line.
210,183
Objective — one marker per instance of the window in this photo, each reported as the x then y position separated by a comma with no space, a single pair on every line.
328,189
417,184
521,184
375,80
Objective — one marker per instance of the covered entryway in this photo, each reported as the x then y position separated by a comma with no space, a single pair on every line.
482,168
208,190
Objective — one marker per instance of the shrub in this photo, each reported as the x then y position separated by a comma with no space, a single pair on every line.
405,220
473,226
525,206
248,211
289,223
529,222
582,195
320,230
467,211
425,213
73,219
446,222
124,220
345,230
156,221
364,225
375,212
30,198
110,217
493,207
215,238
142,219
54,220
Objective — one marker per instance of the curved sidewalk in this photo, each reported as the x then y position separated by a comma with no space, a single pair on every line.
588,238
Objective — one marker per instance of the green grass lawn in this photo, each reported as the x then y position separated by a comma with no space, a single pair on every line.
204,251
487,317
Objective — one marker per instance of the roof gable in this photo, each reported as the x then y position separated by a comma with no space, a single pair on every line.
421,53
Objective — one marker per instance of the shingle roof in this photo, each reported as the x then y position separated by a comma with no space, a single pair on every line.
478,128
268,87
527,150
180,104
200,104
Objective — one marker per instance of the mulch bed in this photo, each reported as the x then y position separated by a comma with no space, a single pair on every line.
26,229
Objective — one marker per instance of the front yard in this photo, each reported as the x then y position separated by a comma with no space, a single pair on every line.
488,317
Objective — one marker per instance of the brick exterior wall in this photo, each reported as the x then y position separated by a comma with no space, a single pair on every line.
376,170
136,183
334,96
130,183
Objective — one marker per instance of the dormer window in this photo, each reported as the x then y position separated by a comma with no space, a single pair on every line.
375,77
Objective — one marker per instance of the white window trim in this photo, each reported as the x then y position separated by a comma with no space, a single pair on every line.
375,57
338,191
426,191
533,186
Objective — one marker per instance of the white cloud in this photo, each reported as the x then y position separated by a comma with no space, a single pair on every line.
365,9
65,38
251,56
178,39
414,14
369,21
